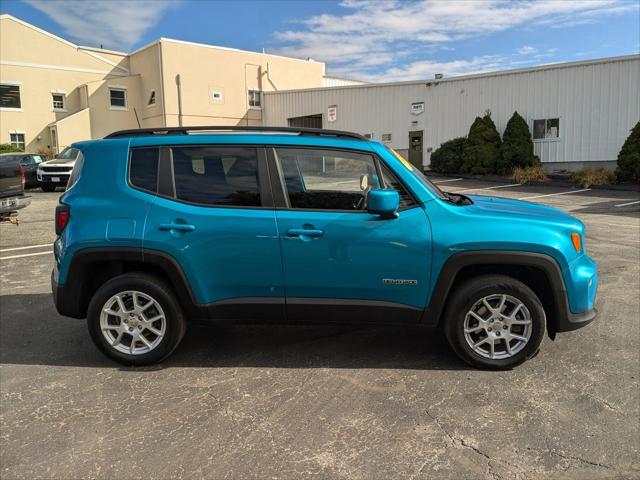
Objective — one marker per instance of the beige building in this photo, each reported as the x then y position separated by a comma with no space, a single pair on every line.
53,92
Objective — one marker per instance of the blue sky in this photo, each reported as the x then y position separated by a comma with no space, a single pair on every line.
364,39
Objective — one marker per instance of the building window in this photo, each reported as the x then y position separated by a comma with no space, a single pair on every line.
255,100
217,96
10,96
17,140
58,101
118,98
548,128
385,137
152,99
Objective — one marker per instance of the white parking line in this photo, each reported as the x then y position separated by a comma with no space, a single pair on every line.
24,248
630,203
451,180
489,188
25,255
554,194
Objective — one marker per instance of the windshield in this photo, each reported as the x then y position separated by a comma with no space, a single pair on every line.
419,175
68,154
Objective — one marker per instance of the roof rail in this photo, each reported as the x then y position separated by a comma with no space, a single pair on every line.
138,132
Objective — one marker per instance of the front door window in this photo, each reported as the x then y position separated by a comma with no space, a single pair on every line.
327,179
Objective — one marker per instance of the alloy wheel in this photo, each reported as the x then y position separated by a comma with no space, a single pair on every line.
133,322
498,326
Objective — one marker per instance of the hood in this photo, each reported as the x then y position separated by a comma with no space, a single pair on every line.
506,207
59,161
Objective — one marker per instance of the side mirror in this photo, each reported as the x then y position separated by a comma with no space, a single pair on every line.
384,203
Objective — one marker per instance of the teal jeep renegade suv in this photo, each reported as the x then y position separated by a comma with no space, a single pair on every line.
158,227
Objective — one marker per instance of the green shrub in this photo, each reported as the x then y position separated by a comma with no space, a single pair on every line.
517,148
481,150
628,169
8,148
448,157
529,174
588,177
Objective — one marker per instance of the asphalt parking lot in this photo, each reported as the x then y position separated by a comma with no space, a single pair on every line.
323,402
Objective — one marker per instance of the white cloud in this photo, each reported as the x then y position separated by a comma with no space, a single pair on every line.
380,29
527,50
116,24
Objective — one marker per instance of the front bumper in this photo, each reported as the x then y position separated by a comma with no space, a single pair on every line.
61,179
581,282
574,321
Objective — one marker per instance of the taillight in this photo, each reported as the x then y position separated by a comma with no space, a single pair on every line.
23,180
62,217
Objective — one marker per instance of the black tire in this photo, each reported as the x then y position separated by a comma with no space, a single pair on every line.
48,187
467,295
157,289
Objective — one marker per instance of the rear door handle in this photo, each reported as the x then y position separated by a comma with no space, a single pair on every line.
304,232
183,227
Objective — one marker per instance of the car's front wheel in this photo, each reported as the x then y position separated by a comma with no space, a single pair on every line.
135,319
494,322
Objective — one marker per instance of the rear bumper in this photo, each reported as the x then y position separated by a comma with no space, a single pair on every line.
14,203
64,300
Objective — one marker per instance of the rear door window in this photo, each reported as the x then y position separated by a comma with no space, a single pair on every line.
212,175
143,168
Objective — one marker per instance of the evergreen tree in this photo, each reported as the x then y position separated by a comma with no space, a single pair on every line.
482,148
448,157
517,148
628,169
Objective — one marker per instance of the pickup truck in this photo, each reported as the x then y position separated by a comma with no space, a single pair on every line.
55,173
12,183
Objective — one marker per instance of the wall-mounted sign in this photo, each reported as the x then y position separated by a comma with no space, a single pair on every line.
417,108
332,113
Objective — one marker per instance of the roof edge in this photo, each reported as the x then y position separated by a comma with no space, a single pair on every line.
499,73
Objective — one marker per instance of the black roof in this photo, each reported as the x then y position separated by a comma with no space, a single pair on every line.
139,132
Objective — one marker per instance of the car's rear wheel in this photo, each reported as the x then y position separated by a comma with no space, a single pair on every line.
135,319
494,322
48,187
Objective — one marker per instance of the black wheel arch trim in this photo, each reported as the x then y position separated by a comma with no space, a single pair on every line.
560,319
73,297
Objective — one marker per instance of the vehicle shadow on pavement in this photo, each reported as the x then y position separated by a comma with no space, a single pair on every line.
32,333
608,207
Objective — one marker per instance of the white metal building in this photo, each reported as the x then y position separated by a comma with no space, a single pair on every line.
579,113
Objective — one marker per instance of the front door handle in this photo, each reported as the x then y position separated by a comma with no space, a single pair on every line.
183,227
305,232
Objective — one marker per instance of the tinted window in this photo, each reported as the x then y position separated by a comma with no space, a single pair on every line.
10,96
217,175
118,98
392,182
143,170
68,153
327,179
